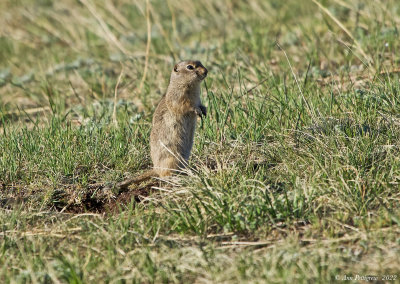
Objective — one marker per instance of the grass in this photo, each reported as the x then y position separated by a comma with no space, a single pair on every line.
294,175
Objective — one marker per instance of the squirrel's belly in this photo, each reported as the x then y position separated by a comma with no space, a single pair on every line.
187,135
176,139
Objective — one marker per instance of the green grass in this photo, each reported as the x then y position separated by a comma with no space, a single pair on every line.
294,175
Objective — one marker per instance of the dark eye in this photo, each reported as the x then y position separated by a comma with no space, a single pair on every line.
190,67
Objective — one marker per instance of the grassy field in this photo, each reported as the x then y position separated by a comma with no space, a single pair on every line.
295,172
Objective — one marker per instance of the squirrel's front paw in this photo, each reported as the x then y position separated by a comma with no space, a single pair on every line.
203,110
200,111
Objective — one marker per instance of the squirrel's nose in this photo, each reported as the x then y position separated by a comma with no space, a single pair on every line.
204,71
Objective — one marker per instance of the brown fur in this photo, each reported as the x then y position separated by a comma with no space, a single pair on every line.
174,122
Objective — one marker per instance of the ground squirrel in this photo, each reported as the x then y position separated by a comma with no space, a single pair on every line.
174,122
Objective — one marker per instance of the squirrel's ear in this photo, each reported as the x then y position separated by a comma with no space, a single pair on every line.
176,68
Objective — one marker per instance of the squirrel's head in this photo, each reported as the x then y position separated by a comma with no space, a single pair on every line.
188,73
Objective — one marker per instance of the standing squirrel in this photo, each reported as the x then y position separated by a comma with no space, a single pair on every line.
174,122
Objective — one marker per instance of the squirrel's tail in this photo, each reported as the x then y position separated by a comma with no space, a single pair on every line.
124,184
147,175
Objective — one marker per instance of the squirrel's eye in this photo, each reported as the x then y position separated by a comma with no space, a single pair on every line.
190,67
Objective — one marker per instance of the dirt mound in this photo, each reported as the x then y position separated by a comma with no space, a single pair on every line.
74,199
